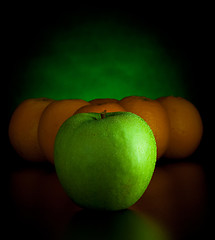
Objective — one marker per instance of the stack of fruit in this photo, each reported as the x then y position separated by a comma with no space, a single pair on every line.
105,150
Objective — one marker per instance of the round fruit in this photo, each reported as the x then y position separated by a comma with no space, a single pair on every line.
98,108
103,100
186,126
154,114
23,128
52,118
105,161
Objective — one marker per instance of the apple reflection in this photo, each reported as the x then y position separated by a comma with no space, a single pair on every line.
175,198
124,224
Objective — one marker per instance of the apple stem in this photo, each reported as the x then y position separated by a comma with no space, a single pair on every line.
103,114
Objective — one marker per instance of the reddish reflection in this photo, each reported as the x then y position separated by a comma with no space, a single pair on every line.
175,198
40,203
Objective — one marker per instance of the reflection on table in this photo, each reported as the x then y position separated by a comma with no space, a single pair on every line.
173,207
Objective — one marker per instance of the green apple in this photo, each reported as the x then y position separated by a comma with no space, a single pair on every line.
105,161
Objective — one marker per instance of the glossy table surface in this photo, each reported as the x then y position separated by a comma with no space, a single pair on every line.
174,206
177,203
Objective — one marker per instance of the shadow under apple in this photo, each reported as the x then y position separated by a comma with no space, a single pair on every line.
124,224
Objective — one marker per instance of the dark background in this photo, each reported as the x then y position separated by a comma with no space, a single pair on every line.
185,29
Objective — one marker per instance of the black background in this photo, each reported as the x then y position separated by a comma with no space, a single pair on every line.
185,29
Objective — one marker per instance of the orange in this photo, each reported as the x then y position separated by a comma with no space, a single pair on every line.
103,100
186,126
154,114
23,128
51,120
99,108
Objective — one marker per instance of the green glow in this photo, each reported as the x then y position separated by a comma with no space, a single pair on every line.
99,59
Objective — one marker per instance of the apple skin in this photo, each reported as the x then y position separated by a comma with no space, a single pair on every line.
106,162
